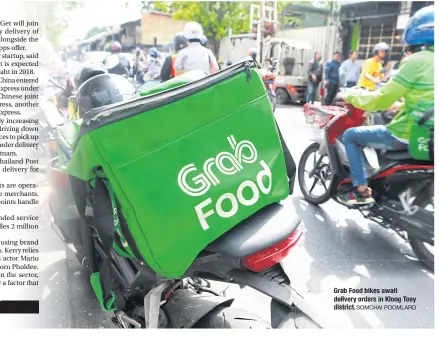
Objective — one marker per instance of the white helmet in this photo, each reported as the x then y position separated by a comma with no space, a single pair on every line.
193,31
380,46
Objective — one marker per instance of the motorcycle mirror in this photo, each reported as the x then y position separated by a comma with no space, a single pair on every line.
111,61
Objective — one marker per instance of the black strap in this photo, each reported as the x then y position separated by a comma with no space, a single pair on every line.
289,161
79,191
103,223
427,115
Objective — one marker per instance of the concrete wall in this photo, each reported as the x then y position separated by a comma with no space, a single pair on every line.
235,51
159,26
317,36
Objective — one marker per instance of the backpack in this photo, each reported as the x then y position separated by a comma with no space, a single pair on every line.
421,143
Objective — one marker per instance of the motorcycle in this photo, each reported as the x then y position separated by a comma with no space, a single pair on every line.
251,254
403,187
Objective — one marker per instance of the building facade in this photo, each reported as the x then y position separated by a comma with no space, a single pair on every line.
159,28
366,23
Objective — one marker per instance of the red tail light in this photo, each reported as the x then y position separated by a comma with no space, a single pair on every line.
57,178
268,257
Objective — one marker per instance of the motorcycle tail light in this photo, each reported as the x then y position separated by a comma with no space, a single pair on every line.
57,178
269,257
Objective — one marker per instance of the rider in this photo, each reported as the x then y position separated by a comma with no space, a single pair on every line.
168,69
195,56
153,64
123,67
414,82
139,64
372,74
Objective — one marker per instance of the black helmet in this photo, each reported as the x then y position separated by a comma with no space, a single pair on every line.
88,71
179,42
102,90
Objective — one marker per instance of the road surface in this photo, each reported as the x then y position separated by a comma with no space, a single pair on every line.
338,249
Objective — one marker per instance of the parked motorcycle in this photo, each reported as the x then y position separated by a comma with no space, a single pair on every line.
251,254
403,187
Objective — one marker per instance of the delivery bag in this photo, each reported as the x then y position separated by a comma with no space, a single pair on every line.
180,166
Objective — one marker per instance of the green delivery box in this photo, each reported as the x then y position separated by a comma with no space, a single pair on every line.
187,162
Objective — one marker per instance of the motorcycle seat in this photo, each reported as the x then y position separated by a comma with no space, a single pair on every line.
271,225
397,155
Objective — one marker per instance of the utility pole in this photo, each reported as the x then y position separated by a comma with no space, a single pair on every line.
328,30
266,13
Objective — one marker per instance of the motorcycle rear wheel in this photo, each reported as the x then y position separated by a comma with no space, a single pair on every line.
318,177
231,318
419,247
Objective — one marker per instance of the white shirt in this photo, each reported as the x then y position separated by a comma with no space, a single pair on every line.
195,57
154,67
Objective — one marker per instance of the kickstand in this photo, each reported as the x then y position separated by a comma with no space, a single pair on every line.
151,304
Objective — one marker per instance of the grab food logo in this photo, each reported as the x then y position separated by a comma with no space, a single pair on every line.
196,182
423,144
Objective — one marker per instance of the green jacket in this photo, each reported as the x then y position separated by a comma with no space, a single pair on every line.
414,82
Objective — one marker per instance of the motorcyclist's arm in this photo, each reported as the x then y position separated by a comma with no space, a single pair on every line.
367,71
213,63
391,92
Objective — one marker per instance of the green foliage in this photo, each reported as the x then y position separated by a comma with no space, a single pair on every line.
162,6
216,17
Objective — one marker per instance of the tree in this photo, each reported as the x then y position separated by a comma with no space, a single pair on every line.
216,18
